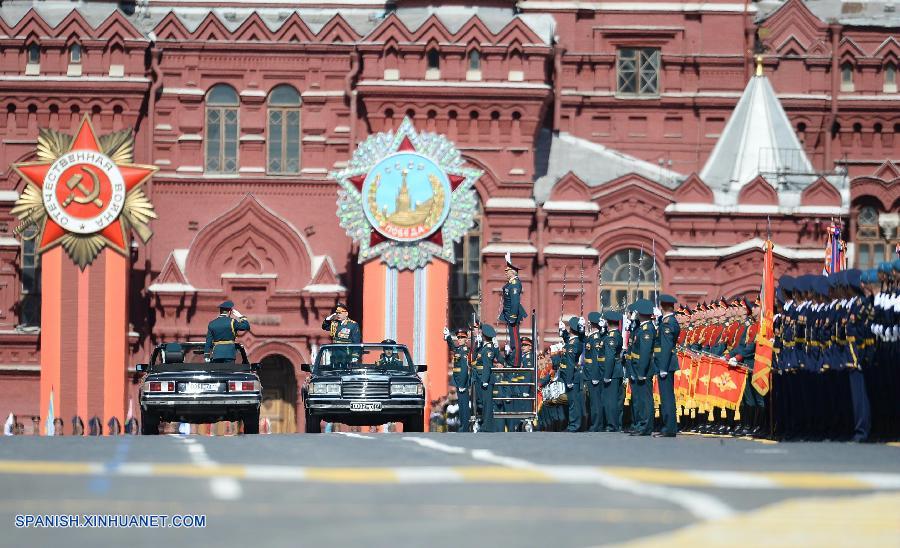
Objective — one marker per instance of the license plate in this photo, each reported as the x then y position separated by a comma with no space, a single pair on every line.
197,387
365,406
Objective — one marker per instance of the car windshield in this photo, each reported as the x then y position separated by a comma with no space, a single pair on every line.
190,353
350,357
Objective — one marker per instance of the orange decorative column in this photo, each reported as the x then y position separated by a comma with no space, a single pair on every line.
84,195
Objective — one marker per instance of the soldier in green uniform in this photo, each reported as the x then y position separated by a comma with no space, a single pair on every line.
222,332
666,364
483,377
389,358
613,394
593,375
343,330
512,312
570,369
460,373
642,369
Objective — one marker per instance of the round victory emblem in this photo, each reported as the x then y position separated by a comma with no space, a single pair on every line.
84,191
406,197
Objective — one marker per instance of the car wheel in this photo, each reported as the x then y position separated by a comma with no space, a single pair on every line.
251,422
414,424
313,424
149,423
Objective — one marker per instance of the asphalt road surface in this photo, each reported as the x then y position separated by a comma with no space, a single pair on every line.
551,490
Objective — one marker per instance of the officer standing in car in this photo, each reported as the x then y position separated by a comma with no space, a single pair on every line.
222,332
460,376
343,330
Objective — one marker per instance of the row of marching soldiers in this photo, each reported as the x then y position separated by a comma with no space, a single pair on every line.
837,355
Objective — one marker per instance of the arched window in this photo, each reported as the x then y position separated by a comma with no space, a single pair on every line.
75,54
222,129
890,78
34,54
434,59
474,60
871,247
847,76
284,131
465,276
30,305
621,274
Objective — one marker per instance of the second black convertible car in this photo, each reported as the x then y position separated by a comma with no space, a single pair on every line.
364,384
181,386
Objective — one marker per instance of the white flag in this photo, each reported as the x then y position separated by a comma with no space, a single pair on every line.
49,426
9,425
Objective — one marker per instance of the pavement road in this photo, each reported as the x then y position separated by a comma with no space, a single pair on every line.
551,490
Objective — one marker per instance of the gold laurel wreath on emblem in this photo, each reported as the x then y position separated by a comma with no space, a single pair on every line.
137,211
436,206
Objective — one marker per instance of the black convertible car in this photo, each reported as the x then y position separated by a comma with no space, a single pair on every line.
180,386
364,384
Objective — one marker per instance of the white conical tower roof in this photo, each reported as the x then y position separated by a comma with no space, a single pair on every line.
758,140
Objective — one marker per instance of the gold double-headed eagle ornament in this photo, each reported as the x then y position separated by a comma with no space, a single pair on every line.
84,193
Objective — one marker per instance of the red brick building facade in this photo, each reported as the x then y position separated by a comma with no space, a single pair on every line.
594,122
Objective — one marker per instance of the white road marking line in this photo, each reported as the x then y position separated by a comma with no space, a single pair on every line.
436,445
430,474
222,487
263,472
355,435
879,481
734,480
702,506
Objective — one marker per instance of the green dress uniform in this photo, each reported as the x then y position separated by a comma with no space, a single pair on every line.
613,394
570,373
343,332
593,375
460,376
642,369
665,365
221,334
483,379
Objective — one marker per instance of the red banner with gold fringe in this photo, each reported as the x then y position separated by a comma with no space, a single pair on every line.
762,365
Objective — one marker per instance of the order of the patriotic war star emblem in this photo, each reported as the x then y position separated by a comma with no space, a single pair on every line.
84,193
406,197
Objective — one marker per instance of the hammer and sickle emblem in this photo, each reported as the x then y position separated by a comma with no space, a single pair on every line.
89,195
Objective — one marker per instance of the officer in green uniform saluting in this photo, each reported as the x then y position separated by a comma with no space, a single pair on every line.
460,376
343,330
222,332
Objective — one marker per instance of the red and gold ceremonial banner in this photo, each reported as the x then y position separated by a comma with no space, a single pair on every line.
726,384
762,366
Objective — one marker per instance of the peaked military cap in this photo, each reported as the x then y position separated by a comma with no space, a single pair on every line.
462,333
389,341
885,267
573,322
488,331
821,286
643,307
341,305
854,278
612,316
786,282
594,317
667,299
526,340
227,304
509,265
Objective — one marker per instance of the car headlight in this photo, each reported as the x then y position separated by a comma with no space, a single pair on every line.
407,389
325,388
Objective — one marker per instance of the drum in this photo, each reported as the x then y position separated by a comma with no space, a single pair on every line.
554,393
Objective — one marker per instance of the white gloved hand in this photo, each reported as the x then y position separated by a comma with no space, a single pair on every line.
206,360
446,332
460,389
570,386
602,323
663,374
506,348
607,381
581,324
595,383
484,385
657,312
732,361
331,316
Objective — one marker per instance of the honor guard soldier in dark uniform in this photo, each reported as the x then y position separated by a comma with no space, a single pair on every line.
570,370
482,375
666,364
222,332
642,369
526,388
513,313
343,330
613,394
460,376
593,374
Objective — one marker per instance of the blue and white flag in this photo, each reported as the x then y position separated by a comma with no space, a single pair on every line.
49,426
